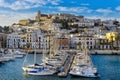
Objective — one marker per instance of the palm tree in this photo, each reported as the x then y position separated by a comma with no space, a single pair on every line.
111,38
117,40
79,45
75,45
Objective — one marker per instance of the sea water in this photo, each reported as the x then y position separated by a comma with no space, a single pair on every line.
108,67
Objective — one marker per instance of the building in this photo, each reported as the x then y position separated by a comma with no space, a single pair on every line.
102,44
62,43
25,22
13,40
38,16
3,38
109,23
77,41
32,39
85,23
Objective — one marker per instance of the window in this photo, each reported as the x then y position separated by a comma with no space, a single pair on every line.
23,40
91,43
87,42
87,38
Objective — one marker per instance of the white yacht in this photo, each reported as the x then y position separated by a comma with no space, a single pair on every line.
82,65
6,56
84,71
9,57
39,69
17,53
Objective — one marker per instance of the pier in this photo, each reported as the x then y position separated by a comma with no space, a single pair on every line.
66,66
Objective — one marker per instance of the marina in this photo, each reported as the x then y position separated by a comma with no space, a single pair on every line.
14,68
59,40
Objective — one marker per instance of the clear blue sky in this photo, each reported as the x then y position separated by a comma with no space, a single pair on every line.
13,10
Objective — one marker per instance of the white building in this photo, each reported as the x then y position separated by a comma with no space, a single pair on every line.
85,22
77,41
31,39
108,23
13,40
91,41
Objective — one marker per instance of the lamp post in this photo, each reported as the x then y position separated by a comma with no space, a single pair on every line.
71,40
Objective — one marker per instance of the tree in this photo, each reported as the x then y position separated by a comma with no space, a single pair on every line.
116,23
6,29
64,23
79,45
75,45
111,37
117,40
28,45
1,28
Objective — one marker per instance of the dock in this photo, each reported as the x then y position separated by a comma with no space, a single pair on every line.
65,68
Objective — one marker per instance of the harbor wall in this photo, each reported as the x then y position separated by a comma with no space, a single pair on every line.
107,52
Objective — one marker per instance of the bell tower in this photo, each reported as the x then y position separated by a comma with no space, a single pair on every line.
37,17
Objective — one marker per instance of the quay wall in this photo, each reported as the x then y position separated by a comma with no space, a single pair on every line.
91,51
107,52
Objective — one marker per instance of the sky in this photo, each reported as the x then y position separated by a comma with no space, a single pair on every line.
11,11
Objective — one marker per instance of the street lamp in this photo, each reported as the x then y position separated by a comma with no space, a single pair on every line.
70,40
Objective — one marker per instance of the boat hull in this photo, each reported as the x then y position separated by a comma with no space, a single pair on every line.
84,75
42,73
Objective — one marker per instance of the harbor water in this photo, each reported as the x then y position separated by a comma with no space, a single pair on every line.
108,67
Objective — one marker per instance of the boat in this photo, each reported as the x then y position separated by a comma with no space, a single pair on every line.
16,53
42,70
83,66
39,69
19,52
84,71
4,57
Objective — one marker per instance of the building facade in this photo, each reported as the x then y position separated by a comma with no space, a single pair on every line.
3,38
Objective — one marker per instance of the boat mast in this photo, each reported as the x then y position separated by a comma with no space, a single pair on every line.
50,45
25,60
35,54
44,44
55,43
87,53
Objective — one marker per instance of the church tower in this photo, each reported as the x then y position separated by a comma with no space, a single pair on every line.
37,17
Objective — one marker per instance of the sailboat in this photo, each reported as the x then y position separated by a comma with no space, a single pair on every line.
39,69
83,66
